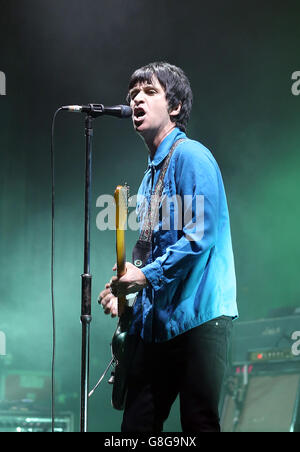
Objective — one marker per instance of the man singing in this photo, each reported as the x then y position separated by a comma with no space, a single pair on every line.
186,288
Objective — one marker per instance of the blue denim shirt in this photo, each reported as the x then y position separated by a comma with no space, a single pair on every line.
190,271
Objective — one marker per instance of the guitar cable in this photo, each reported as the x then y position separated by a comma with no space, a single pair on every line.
102,376
52,272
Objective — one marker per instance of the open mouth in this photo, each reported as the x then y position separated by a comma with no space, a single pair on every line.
139,114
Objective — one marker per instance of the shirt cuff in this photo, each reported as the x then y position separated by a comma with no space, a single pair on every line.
154,274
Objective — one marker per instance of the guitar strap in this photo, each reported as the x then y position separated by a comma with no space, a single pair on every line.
143,246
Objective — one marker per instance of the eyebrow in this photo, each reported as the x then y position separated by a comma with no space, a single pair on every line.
147,85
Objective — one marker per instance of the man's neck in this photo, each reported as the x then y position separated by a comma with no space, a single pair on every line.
153,143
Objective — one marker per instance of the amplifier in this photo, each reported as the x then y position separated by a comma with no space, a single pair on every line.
23,384
266,402
265,340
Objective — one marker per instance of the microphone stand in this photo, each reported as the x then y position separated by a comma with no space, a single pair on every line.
86,316
93,111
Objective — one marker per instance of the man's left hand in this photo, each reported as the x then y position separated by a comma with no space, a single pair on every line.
132,281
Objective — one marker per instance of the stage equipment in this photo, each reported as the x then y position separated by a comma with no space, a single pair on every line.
93,111
262,387
17,385
34,422
265,340
119,111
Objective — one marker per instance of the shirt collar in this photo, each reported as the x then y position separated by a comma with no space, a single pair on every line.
165,146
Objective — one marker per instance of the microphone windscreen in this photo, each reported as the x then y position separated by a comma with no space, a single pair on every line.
126,112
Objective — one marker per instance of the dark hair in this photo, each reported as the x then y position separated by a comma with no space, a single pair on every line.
175,83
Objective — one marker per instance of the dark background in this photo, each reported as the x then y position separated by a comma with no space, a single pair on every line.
239,56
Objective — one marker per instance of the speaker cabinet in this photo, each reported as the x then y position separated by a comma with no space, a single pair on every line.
267,403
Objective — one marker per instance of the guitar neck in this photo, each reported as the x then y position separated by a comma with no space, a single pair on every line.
121,266
121,216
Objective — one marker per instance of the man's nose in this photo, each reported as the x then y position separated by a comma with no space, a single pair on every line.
139,98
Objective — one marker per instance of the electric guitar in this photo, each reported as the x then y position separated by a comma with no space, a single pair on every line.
122,345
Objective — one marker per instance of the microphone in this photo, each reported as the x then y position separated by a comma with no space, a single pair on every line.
120,111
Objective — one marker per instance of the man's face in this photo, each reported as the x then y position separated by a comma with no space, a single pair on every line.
150,108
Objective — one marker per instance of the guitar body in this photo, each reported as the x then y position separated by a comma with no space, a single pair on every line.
122,347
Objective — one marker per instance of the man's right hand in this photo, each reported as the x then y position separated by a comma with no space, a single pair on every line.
108,301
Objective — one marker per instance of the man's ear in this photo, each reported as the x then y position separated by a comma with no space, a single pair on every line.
176,110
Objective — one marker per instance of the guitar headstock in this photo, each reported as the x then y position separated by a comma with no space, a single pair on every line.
121,199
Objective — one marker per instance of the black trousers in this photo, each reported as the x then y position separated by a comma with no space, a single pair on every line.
192,365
